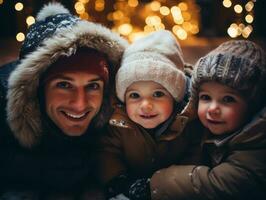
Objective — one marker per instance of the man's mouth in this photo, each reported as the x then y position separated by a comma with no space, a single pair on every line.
72,116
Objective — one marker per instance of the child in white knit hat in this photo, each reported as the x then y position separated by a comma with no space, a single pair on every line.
228,92
145,135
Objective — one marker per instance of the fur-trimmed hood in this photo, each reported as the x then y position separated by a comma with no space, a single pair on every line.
23,110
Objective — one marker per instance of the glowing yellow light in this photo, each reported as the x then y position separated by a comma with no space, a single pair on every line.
186,16
84,1
181,34
194,29
110,17
175,11
30,20
125,29
238,8
232,32
20,37
117,15
249,18
1,1
79,7
133,3
136,36
247,31
99,5
241,26
19,6
84,16
179,20
249,6
175,28
160,27
148,29
227,3
183,6
187,26
155,5
164,10
153,20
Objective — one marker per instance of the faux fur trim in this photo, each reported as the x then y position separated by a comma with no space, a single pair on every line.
50,9
23,109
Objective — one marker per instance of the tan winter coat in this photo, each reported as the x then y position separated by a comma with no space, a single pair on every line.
129,148
237,169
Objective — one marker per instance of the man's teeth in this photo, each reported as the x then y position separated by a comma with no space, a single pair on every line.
76,116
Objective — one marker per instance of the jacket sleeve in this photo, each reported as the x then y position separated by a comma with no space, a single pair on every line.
235,178
110,156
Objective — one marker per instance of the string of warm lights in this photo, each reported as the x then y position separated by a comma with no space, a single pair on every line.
135,18
243,29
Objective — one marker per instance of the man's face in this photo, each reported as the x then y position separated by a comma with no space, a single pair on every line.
72,100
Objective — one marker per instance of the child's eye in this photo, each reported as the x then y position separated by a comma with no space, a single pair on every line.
134,95
158,94
93,86
63,85
204,97
229,99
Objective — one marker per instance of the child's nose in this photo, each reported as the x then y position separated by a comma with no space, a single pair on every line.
214,108
146,105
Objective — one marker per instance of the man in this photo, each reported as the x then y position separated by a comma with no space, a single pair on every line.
54,102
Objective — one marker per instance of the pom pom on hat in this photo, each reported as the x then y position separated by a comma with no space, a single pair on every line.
156,57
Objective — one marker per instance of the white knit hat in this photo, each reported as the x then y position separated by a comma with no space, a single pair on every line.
156,57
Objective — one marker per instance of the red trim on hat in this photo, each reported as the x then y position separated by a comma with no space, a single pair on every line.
85,59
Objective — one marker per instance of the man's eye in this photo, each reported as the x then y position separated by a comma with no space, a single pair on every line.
134,95
229,99
204,97
63,85
158,94
93,86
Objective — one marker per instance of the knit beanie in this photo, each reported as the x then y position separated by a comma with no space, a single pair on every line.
156,57
238,64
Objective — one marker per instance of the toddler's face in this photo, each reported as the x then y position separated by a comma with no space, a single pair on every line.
148,103
221,109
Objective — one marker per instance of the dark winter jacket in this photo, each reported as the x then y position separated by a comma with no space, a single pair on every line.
234,167
129,148
33,151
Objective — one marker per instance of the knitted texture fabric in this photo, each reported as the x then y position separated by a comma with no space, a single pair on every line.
239,64
156,57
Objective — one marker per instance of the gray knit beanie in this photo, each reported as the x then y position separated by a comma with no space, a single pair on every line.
239,64
156,57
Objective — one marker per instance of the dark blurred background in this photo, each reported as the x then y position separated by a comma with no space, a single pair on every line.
199,25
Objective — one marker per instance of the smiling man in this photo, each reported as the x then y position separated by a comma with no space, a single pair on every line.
55,102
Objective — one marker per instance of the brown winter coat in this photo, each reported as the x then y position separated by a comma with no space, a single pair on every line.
237,169
129,148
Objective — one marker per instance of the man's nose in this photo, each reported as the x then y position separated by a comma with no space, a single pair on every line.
79,100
